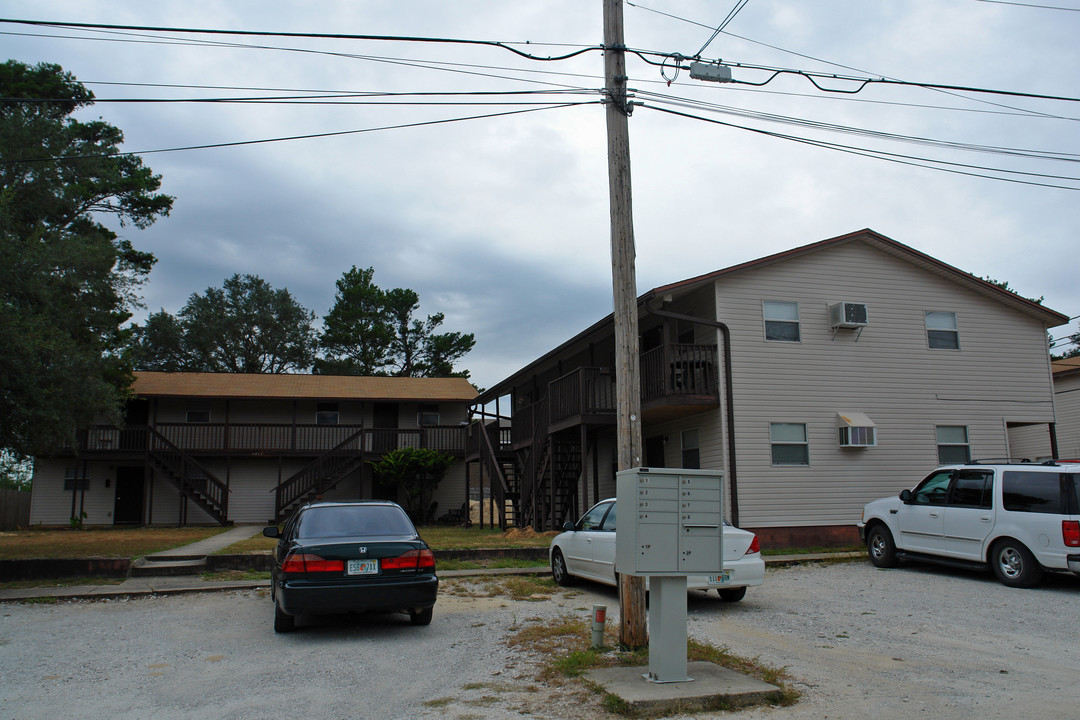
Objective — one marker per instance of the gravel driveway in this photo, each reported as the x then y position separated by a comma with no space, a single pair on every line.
860,642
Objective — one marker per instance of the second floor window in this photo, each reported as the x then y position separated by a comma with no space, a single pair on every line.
427,415
941,330
198,412
952,444
781,320
326,414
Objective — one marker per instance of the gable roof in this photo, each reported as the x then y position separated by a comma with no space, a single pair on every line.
1050,317
894,248
302,387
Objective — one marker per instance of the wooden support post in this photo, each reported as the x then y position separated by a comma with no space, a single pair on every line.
624,284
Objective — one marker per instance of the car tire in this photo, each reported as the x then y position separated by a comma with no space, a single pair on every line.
880,547
421,617
559,572
283,623
1014,565
732,594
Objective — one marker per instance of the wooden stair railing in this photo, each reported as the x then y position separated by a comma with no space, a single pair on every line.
318,476
194,481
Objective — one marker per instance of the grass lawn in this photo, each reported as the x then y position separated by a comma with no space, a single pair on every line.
105,542
136,542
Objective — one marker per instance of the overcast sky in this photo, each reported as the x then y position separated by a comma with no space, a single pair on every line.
501,222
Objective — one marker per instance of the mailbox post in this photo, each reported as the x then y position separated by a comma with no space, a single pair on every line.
671,524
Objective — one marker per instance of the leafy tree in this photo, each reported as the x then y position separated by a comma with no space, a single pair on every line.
355,339
245,326
370,331
67,282
15,472
416,473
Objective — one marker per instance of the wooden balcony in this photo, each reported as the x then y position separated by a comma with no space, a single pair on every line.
258,439
676,380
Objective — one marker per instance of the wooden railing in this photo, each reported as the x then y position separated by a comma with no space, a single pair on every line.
678,370
585,391
271,438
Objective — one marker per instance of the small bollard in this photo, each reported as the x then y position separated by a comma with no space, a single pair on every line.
599,617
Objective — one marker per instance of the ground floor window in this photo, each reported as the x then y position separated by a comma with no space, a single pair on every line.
952,444
789,444
691,453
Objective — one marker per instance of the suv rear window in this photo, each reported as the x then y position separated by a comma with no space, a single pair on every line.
1039,492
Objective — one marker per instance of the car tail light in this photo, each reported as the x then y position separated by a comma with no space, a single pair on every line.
412,560
306,562
1070,532
755,546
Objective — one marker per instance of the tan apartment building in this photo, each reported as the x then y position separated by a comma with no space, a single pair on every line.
815,379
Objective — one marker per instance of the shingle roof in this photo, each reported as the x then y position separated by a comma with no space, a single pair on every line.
1065,366
296,387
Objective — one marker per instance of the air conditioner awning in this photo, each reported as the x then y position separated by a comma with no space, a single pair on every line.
853,419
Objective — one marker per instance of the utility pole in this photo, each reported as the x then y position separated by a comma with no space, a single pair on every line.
632,631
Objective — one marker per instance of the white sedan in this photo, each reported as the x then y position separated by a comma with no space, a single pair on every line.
587,550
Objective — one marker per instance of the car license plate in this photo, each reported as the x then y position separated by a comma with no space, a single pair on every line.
362,567
721,579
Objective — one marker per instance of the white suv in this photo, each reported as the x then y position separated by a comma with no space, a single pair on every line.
1019,518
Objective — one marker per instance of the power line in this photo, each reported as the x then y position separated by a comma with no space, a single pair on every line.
320,36
876,154
1030,5
264,141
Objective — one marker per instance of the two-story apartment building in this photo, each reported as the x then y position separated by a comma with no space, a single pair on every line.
201,448
814,379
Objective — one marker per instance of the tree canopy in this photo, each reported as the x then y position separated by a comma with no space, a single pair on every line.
370,331
68,283
245,326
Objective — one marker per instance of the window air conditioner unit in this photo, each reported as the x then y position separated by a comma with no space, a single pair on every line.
858,436
848,315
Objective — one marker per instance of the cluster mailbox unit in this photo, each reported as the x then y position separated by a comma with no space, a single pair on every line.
671,524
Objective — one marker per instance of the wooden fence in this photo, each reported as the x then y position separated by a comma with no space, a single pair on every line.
14,509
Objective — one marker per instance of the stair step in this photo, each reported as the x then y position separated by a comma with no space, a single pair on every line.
167,566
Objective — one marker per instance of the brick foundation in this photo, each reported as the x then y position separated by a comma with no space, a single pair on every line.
772,538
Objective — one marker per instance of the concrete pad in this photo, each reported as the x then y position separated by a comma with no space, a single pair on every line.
713,687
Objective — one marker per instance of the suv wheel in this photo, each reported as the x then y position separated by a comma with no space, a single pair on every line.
880,547
1014,565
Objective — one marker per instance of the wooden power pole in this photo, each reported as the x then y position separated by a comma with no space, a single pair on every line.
632,631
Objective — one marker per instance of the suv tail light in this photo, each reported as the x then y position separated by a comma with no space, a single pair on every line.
412,560
1070,532
306,562
755,546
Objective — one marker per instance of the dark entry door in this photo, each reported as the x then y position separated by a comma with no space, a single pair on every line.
383,440
654,451
129,495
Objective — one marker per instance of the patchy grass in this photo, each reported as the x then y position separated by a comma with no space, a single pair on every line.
59,582
565,652
231,575
492,563
438,537
808,550
95,542
441,537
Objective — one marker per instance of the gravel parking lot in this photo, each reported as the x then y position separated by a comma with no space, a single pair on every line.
858,641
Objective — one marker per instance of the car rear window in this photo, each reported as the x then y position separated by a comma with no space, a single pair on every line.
1036,492
354,521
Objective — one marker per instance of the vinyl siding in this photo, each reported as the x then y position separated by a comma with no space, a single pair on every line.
999,374
1067,396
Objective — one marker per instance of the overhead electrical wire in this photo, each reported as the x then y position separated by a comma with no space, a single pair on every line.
317,36
1030,5
238,143
954,168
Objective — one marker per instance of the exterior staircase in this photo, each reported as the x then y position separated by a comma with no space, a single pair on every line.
194,481
318,476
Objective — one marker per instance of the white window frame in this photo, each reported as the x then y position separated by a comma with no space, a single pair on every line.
769,314
775,443
327,413
196,411
425,410
941,329
951,444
